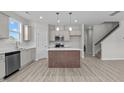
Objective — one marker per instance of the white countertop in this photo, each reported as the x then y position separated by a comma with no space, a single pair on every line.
2,53
12,50
7,51
21,49
61,49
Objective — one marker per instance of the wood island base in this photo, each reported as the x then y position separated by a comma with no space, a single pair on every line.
64,59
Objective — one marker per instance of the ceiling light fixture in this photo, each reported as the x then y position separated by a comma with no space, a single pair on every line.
57,28
41,17
75,20
27,13
70,28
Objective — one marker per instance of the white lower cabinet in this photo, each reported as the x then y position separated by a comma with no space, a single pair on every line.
2,66
27,56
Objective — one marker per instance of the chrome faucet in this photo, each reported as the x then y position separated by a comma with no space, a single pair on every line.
17,44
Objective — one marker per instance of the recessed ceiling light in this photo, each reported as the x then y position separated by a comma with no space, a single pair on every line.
41,17
75,20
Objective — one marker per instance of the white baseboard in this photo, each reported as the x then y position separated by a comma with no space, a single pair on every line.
40,59
22,67
112,58
82,56
36,59
93,55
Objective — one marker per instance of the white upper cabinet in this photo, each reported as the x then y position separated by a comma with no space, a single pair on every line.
27,33
52,35
4,28
64,31
65,34
75,33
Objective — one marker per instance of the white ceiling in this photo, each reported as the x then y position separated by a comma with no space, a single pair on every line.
83,17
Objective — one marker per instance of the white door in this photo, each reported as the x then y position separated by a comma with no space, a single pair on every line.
42,41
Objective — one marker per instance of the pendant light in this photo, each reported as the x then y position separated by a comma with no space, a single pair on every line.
57,28
70,28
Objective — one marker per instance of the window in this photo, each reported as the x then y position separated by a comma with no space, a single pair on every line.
14,29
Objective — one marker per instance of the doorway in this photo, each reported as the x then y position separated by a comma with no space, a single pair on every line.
88,40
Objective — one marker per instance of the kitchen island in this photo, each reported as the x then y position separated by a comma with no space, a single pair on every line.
63,58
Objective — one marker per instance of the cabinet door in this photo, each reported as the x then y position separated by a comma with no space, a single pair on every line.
2,69
33,53
25,57
66,35
61,33
29,57
27,33
57,33
52,36
75,33
4,28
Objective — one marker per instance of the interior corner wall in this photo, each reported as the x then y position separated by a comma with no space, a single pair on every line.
113,46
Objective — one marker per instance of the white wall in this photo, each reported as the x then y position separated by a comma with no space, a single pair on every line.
5,44
113,46
41,40
98,32
82,41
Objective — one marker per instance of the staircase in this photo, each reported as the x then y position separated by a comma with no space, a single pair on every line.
98,43
105,36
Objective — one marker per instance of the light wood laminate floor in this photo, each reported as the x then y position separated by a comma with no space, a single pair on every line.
92,70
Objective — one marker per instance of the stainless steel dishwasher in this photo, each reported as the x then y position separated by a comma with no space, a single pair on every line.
12,62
